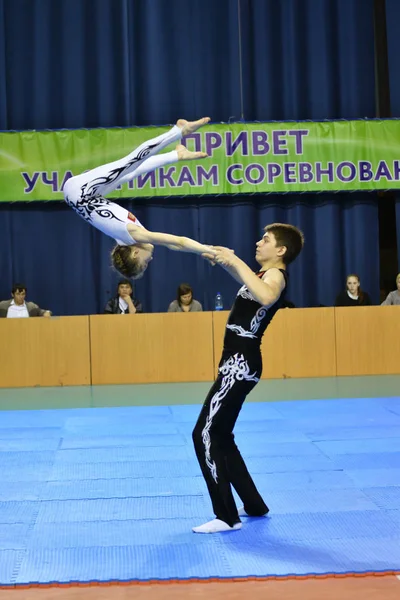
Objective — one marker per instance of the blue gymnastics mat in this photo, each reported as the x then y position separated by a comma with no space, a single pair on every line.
112,494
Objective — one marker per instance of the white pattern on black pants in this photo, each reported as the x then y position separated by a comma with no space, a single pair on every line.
234,369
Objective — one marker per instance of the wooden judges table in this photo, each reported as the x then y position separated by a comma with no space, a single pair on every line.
177,347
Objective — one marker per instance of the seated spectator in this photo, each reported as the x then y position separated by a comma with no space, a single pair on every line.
353,295
393,297
17,307
123,303
184,300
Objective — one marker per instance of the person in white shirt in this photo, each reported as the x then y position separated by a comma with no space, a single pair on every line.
135,244
393,298
18,307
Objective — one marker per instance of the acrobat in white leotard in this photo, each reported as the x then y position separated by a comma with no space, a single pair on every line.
85,193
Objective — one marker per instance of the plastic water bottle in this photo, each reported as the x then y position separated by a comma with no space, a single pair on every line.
219,305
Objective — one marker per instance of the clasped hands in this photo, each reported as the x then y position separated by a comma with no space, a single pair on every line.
129,302
220,255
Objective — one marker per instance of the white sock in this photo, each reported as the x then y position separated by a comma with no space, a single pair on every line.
216,526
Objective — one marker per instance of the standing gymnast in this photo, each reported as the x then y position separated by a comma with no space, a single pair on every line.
135,244
259,298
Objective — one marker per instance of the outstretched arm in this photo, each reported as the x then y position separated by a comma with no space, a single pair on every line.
266,290
172,242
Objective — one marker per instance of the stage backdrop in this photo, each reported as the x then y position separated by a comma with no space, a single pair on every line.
125,63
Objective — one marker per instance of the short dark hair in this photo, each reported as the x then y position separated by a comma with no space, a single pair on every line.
124,282
289,236
126,264
18,287
183,289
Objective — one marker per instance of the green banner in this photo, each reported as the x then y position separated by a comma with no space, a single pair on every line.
244,158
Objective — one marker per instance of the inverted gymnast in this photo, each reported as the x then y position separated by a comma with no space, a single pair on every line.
135,244
259,298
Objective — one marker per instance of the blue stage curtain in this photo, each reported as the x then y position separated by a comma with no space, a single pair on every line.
308,59
393,38
100,63
393,42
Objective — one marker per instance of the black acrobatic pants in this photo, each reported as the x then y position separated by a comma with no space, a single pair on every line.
220,460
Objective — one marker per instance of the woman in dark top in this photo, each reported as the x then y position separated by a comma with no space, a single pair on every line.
353,295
